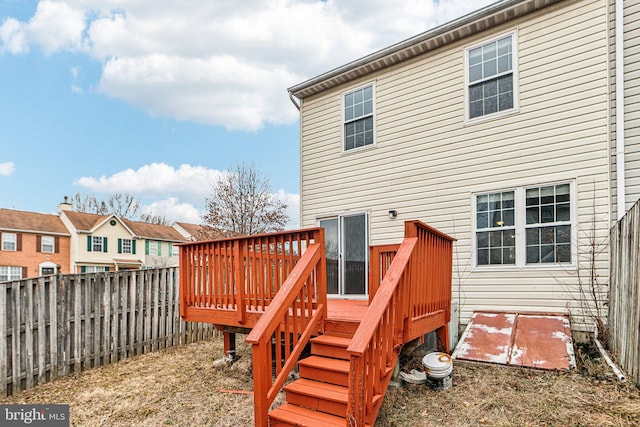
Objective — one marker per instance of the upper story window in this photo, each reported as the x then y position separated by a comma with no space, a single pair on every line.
10,273
9,242
48,244
490,77
358,118
523,227
153,247
96,244
173,249
126,246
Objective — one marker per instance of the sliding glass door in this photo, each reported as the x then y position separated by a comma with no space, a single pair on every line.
347,245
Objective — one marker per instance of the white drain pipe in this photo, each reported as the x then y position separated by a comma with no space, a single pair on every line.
619,61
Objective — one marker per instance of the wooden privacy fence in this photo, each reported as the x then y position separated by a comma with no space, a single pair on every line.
53,326
624,292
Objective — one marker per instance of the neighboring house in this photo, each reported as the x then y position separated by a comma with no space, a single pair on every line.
31,245
108,243
495,129
101,243
158,241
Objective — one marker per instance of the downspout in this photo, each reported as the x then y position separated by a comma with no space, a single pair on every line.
620,166
298,105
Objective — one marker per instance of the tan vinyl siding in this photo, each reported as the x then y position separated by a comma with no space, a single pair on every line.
632,100
427,161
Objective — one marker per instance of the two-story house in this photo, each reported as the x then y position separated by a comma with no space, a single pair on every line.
32,244
109,243
158,241
101,243
495,129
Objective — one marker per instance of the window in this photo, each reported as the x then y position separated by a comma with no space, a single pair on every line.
126,246
525,226
9,241
154,247
358,118
495,222
490,77
96,244
93,269
548,226
48,244
10,273
172,250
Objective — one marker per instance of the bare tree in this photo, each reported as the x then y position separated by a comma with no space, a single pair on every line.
123,205
241,204
150,218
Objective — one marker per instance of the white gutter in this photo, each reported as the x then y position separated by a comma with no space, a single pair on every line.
620,166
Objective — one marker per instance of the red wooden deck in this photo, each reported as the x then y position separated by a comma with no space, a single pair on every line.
275,285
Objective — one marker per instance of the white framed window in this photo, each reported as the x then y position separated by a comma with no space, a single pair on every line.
8,273
525,226
126,246
153,247
48,244
9,242
96,243
358,117
93,269
491,76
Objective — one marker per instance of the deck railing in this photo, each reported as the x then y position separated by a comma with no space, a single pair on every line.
279,337
413,299
238,277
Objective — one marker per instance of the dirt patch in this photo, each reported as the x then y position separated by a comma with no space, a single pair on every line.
180,386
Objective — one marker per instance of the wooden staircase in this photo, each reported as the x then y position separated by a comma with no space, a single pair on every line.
319,397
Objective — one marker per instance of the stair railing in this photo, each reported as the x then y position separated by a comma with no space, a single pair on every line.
411,290
278,338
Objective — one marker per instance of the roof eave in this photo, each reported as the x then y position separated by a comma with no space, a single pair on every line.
465,26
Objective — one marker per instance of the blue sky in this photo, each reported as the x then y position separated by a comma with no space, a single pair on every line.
158,98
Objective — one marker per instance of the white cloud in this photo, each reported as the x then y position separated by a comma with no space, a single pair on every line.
192,183
7,168
173,210
221,63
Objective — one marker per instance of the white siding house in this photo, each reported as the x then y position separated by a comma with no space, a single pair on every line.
494,129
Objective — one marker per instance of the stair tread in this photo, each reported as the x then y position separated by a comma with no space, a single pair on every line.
299,416
326,363
334,340
319,389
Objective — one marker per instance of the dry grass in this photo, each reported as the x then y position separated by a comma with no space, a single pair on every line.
179,386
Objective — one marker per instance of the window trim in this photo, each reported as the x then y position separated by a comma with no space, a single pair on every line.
53,244
154,244
342,118
9,276
521,227
14,241
515,72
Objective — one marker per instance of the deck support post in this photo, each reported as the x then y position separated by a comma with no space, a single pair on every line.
229,346
443,337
